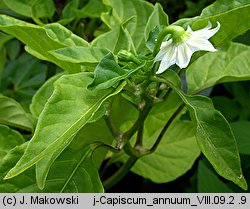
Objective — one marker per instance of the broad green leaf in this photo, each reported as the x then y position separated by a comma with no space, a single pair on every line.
123,121
12,114
157,18
152,37
242,135
67,111
42,95
2,5
214,137
108,73
45,8
84,55
232,17
2,58
13,49
69,11
233,64
171,76
114,40
22,77
92,9
8,140
79,174
221,6
122,10
208,182
175,155
88,135
43,166
82,138
51,37
9,161
184,22
4,38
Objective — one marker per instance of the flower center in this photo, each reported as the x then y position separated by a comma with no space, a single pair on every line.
180,37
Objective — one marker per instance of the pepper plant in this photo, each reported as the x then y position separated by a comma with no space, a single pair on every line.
132,95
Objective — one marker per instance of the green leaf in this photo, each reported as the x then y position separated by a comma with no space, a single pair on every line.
221,6
215,137
242,135
122,10
84,55
22,77
43,166
175,155
4,38
2,58
88,135
67,111
173,77
69,11
45,8
123,121
114,40
12,114
8,140
9,161
232,17
51,37
13,49
79,174
108,73
93,9
42,95
208,182
152,37
157,18
218,67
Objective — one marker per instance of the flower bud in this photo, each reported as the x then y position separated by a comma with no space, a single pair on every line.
125,56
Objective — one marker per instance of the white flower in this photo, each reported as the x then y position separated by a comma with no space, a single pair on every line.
179,51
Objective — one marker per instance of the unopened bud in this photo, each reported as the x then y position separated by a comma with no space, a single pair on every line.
125,56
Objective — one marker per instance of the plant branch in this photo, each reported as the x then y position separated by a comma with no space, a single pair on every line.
165,128
116,177
139,122
115,132
139,137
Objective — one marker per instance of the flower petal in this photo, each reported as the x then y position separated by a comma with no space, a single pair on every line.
164,48
189,29
168,60
184,54
206,32
200,44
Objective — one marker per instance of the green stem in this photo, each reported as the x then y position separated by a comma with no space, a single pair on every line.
139,122
174,30
165,128
139,138
115,178
115,132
